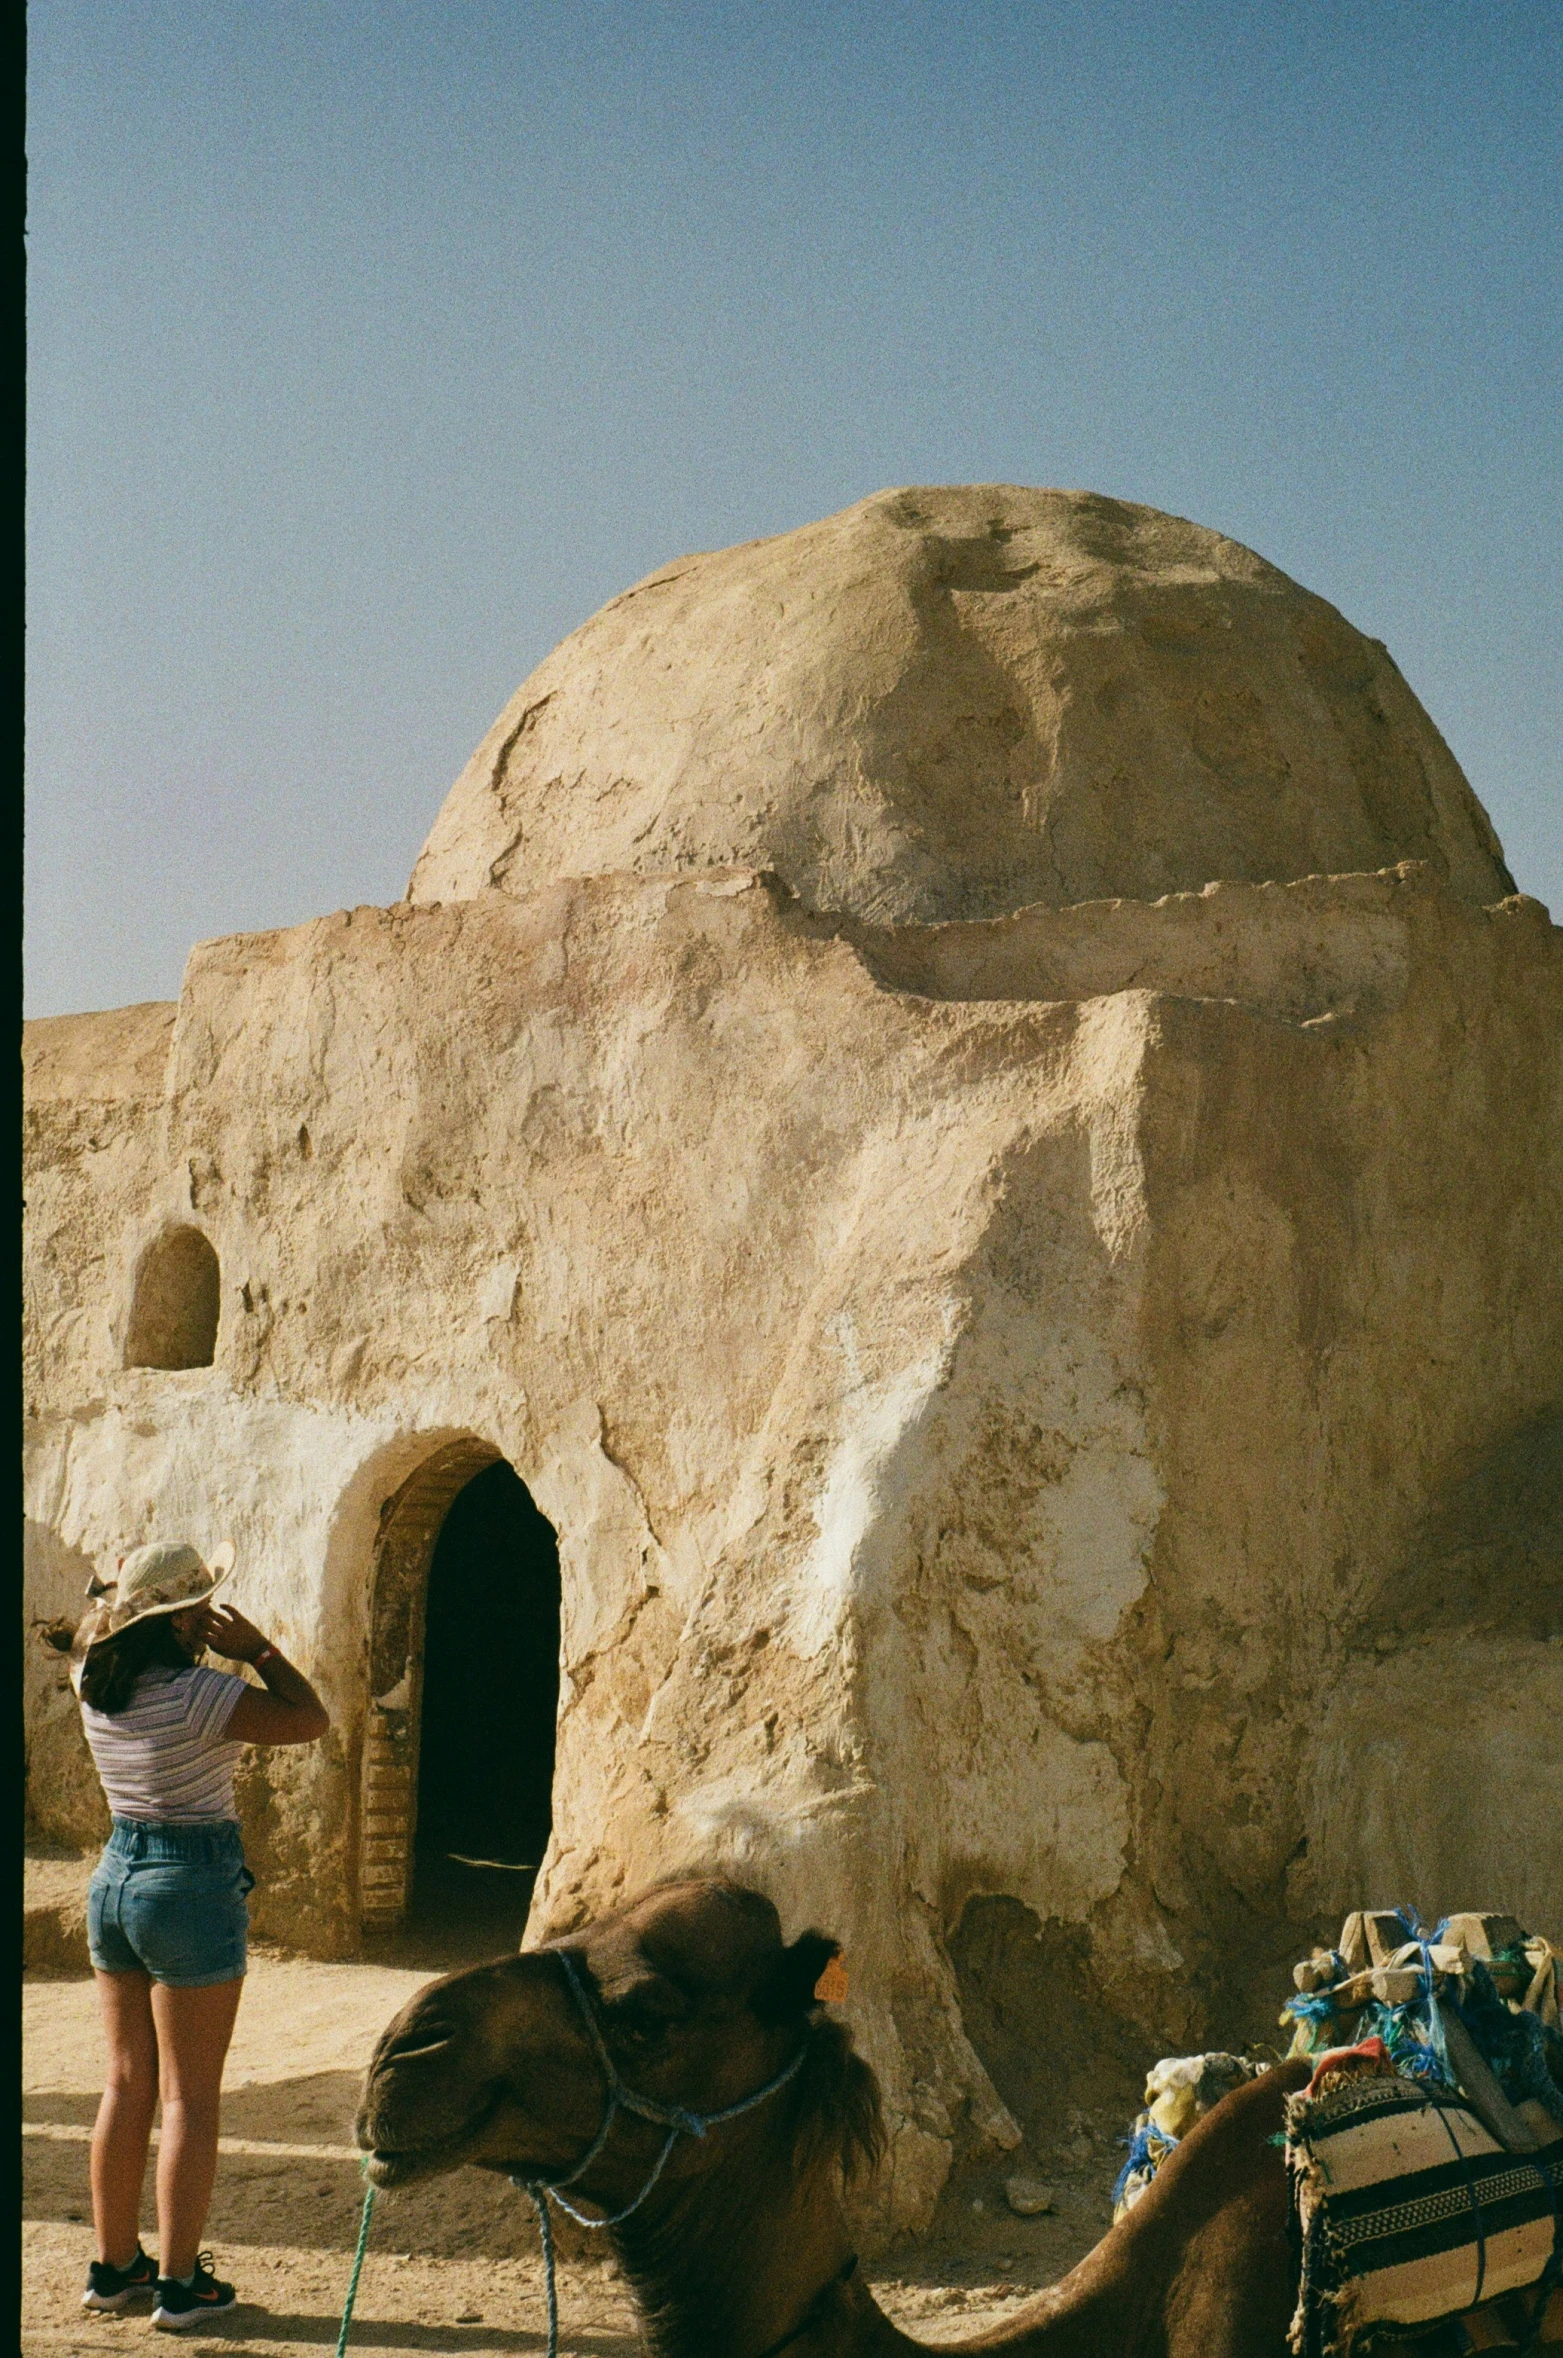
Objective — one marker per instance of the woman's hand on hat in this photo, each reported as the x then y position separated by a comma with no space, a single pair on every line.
228,1633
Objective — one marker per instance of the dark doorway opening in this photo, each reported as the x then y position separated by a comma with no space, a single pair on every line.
490,1699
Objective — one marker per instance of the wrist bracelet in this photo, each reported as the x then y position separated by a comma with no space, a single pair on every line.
266,1654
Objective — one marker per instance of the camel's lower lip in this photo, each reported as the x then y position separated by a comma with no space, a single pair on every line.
400,2169
399,2166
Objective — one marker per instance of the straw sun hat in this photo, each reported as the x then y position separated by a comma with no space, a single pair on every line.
163,1578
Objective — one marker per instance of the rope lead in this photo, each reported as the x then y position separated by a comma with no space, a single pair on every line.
545,2225
358,2269
545,2228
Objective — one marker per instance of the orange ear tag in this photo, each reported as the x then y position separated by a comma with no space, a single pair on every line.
831,1987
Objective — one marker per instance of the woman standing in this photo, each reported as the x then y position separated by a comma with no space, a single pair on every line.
167,1917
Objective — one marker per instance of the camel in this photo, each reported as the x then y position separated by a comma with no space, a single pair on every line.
730,2230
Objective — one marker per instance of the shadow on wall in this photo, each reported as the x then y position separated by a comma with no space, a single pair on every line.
1487,1558
1045,2036
1436,1780
1437,1783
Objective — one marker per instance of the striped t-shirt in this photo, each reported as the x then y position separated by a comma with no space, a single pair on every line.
164,1756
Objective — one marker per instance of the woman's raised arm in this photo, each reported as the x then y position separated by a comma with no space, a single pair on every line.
290,1711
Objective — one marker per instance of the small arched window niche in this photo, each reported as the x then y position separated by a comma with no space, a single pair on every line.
174,1302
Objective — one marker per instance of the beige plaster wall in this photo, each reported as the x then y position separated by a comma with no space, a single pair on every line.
983,1432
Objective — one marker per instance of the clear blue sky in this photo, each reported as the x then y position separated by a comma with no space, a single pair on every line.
373,346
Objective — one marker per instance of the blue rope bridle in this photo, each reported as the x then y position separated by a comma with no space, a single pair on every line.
677,2119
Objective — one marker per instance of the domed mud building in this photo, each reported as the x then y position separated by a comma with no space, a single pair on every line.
923,1264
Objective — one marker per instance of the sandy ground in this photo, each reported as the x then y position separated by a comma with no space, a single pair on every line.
452,2266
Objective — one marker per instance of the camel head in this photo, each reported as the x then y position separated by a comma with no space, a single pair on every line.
698,2002
733,2240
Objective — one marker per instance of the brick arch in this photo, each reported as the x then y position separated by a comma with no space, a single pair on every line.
410,1523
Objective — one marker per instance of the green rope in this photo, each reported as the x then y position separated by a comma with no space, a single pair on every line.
545,2228
358,2269
545,2225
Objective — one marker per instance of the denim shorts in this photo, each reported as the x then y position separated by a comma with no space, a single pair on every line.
171,1901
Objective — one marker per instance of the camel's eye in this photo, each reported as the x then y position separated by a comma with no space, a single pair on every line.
640,2017
641,2032
640,2027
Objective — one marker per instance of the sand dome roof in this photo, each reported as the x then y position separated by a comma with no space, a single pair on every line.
960,701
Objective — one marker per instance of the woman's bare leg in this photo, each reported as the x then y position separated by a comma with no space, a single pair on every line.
123,2128
193,2031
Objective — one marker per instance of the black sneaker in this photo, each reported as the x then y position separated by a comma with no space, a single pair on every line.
111,2288
179,2306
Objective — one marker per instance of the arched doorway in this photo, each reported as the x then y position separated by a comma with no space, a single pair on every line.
490,1699
464,1690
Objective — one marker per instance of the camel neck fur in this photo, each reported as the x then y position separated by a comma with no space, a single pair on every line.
731,2257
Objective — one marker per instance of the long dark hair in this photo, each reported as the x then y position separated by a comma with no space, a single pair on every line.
110,1673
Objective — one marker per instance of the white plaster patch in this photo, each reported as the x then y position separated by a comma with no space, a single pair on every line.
853,1497
732,1811
205,1465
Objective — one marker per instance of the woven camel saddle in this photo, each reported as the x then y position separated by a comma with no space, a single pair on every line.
1425,2156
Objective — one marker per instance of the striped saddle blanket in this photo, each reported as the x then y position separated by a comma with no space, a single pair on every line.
1409,2212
